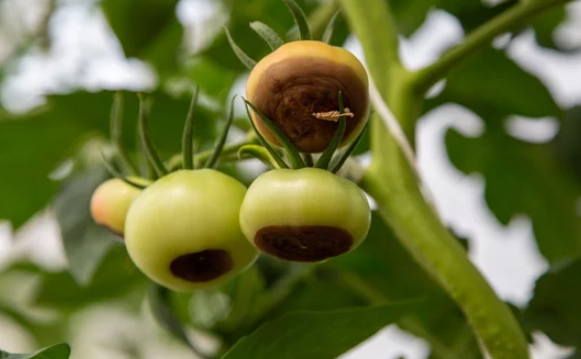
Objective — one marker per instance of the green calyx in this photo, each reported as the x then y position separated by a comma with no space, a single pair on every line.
329,160
273,40
155,167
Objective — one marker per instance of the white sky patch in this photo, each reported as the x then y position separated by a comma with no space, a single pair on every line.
390,343
534,130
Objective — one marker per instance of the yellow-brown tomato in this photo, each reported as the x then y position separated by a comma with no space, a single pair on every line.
302,79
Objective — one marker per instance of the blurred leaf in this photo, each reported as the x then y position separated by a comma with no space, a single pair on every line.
554,308
521,178
59,351
382,271
242,13
546,24
524,178
566,144
85,242
34,144
214,80
147,29
116,277
161,307
410,15
491,84
314,335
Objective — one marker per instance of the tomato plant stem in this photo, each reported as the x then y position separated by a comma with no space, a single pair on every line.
519,14
391,182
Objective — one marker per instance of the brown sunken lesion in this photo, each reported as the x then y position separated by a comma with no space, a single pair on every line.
202,266
290,91
303,243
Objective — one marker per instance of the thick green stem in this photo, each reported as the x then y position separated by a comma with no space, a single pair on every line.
391,182
482,36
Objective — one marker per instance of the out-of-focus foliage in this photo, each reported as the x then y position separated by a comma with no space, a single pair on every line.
60,351
42,165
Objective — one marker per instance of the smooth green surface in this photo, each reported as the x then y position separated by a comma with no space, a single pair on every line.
305,197
187,212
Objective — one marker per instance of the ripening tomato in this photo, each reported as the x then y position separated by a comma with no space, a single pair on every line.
110,204
301,79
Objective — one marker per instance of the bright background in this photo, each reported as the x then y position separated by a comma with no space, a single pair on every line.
86,54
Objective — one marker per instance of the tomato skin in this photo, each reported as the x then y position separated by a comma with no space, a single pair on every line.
304,77
111,202
310,198
185,213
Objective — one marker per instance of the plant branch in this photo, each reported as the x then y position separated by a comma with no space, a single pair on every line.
392,183
175,162
481,37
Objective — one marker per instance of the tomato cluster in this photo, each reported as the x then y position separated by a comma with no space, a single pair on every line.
195,228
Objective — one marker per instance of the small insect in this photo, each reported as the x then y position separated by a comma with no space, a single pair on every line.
333,115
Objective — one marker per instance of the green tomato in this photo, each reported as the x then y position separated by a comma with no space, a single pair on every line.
183,230
110,204
305,215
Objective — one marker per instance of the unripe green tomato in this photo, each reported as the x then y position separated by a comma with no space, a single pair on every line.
110,204
305,215
183,230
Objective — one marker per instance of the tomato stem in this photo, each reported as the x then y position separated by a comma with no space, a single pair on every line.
213,160
116,126
340,159
150,152
112,169
258,152
188,136
292,151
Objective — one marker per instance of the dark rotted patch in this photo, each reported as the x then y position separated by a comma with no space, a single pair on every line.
303,243
202,266
292,90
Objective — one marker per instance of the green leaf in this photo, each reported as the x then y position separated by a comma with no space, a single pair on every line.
524,178
566,144
381,271
268,34
554,308
147,29
33,145
116,277
490,84
85,242
161,306
316,335
213,79
300,19
546,24
59,351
